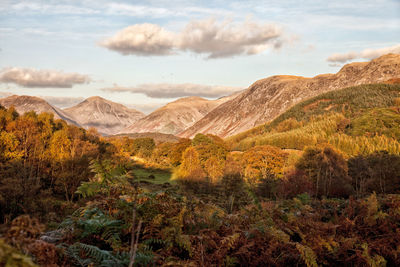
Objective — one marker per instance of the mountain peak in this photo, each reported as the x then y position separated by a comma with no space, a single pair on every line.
190,99
96,98
107,116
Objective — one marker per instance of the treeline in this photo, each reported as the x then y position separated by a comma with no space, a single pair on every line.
42,163
205,164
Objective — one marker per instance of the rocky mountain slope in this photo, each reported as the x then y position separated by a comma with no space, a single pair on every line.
267,98
31,103
176,116
106,116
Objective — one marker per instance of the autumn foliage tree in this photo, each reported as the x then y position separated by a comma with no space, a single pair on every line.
191,169
263,162
143,147
42,162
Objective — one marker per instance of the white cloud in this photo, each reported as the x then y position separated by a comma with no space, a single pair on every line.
365,54
168,90
228,39
51,8
210,37
137,10
41,78
142,39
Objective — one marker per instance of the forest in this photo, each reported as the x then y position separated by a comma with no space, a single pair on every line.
317,186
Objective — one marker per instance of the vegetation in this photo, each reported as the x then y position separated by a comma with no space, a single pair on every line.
354,120
320,185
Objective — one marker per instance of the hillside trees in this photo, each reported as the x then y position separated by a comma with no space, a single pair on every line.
327,169
143,147
263,162
191,169
42,161
207,158
377,172
170,154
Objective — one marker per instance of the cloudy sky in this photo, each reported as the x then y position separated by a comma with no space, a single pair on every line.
147,53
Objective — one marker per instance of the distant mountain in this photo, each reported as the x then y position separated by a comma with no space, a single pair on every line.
106,116
176,116
267,98
31,103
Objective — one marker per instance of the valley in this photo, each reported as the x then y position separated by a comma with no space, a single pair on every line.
291,171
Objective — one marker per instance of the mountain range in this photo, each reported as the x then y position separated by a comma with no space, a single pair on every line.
263,101
176,116
267,98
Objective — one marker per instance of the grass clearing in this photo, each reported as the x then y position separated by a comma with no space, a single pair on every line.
160,176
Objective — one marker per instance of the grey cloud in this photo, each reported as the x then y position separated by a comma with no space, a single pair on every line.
41,78
167,90
365,54
210,37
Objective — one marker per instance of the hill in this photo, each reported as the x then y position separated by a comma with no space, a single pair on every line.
365,112
106,116
25,103
176,116
267,98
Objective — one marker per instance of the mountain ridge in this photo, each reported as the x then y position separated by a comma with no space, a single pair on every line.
107,116
176,116
266,98
26,103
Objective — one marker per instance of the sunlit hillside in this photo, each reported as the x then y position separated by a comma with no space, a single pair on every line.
355,120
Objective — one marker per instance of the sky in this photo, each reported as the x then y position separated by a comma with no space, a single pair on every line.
147,53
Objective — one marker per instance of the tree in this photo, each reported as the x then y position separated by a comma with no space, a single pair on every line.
191,169
376,172
327,169
209,146
263,162
143,147
214,168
